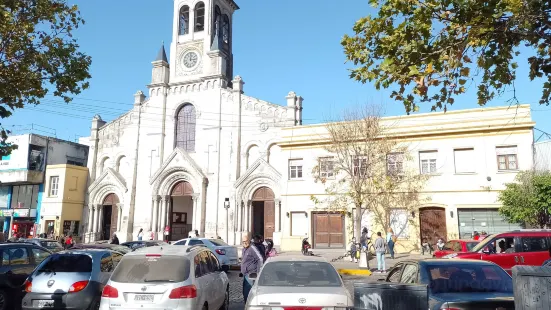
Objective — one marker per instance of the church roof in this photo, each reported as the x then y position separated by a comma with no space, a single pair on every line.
162,54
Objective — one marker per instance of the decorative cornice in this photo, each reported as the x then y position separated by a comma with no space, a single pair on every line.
119,180
187,159
272,172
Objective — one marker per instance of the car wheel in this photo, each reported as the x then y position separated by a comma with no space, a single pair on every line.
226,304
3,300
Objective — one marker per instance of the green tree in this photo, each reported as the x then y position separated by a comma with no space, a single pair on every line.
528,199
38,55
432,50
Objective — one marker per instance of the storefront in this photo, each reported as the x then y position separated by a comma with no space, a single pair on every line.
479,220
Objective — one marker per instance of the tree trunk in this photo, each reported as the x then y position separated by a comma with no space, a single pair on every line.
358,223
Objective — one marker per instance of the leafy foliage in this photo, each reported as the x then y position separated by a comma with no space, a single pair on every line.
38,54
443,45
528,200
360,147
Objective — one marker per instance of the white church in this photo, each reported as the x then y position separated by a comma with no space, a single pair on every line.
197,153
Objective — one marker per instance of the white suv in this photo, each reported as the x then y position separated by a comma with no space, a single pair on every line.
167,277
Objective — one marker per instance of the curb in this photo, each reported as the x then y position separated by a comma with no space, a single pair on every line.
354,272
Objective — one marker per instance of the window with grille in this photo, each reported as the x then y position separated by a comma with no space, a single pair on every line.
184,20
199,17
507,158
295,169
395,164
54,185
359,166
427,162
185,128
327,169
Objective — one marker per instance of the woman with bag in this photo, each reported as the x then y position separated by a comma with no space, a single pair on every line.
390,241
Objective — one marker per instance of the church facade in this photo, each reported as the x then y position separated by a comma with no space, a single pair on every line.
197,153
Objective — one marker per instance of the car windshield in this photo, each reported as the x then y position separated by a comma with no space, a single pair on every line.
483,244
218,242
51,245
471,245
469,278
298,273
143,269
66,263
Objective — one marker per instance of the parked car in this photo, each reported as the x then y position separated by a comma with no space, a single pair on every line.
454,246
299,282
133,245
113,247
18,262
174,277
226,254
72,279
50,244
458,284
526,247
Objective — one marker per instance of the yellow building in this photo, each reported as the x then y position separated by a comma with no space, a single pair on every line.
63,200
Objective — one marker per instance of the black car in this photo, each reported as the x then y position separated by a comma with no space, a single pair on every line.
50,244
18,262
113,247
133,245
458,284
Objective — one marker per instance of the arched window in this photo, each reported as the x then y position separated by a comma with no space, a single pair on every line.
199,17
185,128
226,30
216,23
184,20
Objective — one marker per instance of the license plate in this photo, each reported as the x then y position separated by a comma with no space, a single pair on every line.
143,298
233,262
45,303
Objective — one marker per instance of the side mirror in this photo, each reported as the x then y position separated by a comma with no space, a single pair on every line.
225,268
253,276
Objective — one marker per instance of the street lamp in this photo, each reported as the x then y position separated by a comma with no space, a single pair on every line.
227,207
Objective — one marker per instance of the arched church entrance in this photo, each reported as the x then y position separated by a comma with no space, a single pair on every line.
263,212
181,211
110,216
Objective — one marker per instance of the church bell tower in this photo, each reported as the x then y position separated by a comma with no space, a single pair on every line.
201,46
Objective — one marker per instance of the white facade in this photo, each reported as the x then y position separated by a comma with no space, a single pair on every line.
198,127
542,156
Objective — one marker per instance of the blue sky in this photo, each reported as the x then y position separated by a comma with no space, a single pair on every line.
279,46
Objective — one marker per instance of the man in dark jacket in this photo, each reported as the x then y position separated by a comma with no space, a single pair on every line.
251,262
258,243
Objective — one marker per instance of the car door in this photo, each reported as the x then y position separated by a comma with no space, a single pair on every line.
217,283
395,273
410,274
535,250
506,259
201,280
20,264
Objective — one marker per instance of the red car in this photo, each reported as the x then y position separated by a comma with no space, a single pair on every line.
524,247
454,246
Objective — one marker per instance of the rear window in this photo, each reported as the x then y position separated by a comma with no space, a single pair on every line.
469,279
291,273
142,269
66,263
218,242
51,245
471,245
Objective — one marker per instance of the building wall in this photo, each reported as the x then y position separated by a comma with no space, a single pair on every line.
67,204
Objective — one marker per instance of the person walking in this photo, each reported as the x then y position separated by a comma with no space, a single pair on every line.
258,242
69,242
140,234
251,262
391,241
270,250
363,239
114,240
380,249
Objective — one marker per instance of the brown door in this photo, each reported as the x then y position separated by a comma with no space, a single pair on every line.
269,219
433,224
328,230
114,219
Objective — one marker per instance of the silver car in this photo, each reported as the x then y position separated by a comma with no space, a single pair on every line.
168,277
70,280
298,281
226,254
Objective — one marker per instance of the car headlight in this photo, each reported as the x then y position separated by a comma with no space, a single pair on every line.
450,255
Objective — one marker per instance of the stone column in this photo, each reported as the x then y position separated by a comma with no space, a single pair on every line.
277,215
119,218
158,210
249,216
168,215
154,213
163,215
194,215
239,215
90,219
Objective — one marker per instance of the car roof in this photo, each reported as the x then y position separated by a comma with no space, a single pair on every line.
296,258
91,252
444,261
167,250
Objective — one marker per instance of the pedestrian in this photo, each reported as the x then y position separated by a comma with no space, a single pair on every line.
257,242
140,234
151,236
476,235
114,240
363,239
380,249
166,233
196,233
270,250
251,262
390,241
353,250
69,242
440,244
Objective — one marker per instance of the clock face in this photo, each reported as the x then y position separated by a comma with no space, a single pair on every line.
190,59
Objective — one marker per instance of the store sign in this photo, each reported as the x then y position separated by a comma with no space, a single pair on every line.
6,212
21,213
